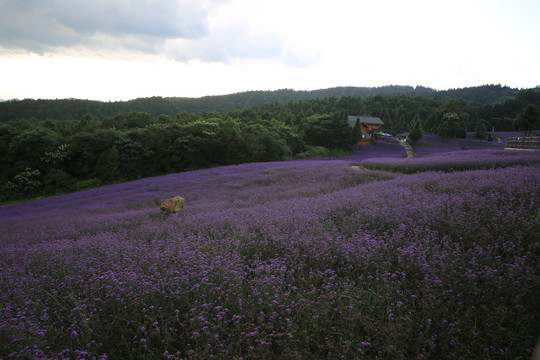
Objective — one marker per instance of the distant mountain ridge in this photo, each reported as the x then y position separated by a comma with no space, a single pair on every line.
65,109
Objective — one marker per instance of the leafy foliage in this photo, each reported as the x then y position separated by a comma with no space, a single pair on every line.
150,140
67,109
480,132
416,133
529,119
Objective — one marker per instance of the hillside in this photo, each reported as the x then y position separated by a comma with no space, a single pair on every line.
67,109
282,260
45,157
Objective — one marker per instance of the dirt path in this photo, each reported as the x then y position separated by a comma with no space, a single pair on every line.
408,148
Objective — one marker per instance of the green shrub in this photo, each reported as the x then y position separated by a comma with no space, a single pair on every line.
86,184
320,151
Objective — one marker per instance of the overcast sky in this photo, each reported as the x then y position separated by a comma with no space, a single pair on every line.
124,49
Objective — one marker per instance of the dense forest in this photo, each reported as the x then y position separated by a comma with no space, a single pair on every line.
110,142
67,109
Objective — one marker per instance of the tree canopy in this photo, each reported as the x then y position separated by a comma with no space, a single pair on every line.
529,119
43,156
416,133
66,109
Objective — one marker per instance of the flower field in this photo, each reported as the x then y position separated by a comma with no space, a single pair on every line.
307,259
454,161
432,144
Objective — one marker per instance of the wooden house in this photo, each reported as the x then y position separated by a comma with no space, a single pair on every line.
369,126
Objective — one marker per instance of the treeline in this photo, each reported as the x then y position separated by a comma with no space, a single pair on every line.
55,156
66,109
44,157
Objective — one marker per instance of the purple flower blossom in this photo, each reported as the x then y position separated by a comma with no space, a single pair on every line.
309,260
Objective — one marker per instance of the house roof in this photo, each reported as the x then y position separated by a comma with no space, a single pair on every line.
365,120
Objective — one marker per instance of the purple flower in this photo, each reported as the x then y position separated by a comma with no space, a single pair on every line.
271,253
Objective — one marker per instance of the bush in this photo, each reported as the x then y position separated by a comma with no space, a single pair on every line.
86,184
57,179
320,151
416,133
480,132
28,181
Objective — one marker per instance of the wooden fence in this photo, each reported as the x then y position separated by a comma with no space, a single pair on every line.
523,142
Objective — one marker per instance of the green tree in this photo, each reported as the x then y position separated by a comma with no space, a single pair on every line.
327,130
183,117
26,149
7,133
448,126
86,148
88,123
388,123
461,130
57,179
196,143
160,139
341,132
480,132
528,120
139,119
108,166
416,133
136,159
444,131
356,134
117,121
292,139
164,119
230,147
27,182
211,115
58,156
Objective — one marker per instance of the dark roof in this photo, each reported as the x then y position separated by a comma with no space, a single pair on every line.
364,119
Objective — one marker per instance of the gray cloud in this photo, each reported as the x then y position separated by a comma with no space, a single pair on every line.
38,26
227,44
179,29
161,19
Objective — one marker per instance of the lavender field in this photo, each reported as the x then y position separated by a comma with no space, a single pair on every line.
311,259
432,144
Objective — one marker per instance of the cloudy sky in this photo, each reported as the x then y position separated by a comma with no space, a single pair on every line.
124,49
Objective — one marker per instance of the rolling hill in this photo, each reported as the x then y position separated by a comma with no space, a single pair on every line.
67,109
